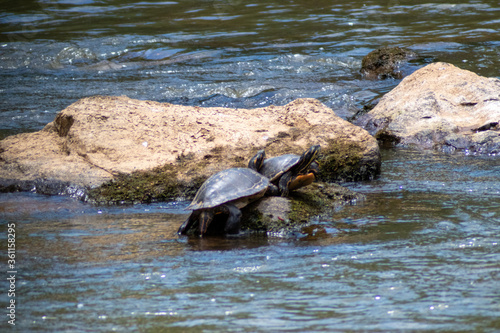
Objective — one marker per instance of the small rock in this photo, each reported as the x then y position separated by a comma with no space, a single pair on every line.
385,62
286,216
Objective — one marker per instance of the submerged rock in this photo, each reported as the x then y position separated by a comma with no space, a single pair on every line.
440,106
117,149
386,63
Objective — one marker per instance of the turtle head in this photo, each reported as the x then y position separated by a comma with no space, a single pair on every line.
307,158
256,162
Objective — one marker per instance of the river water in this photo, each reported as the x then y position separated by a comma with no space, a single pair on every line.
421,253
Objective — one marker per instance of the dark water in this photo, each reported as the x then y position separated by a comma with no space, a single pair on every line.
420,254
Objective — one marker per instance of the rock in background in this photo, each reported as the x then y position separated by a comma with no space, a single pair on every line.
440,106
386,62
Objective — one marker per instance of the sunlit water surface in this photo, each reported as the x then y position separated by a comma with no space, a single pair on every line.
421,253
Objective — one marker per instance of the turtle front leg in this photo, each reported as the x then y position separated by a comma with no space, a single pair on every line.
206,216
193,218
272,191
234,219
284,183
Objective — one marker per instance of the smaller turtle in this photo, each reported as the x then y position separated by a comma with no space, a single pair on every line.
226,192
290,172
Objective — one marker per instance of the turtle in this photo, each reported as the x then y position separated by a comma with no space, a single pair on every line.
226,192
290,172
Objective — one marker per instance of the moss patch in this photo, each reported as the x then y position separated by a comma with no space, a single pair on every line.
170,182
318,199
286,216
340,161
158,184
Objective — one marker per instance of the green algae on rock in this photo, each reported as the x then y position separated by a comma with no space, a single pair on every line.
343,160
155,185
285,216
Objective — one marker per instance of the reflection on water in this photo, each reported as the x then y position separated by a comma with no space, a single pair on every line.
100,238
421,253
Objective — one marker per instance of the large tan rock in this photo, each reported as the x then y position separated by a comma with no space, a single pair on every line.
101,138
440,106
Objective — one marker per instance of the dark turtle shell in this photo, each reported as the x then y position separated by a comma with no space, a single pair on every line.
274,167
230,185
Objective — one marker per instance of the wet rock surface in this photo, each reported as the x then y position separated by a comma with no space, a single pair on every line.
117,149
442,107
